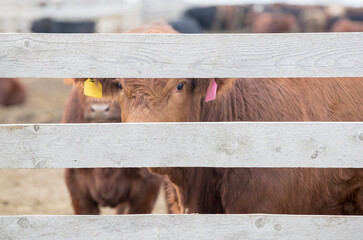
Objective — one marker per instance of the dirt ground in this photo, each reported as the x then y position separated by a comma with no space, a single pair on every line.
40,191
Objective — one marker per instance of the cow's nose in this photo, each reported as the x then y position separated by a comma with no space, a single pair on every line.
100,108
99,113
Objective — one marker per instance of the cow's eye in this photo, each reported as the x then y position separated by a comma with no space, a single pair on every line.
180,86
119,85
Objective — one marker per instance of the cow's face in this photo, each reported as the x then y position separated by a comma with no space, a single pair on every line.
161,100
155,100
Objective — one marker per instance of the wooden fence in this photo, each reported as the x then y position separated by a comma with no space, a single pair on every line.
235,144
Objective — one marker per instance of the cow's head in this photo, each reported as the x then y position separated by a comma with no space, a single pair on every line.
161,100
93,110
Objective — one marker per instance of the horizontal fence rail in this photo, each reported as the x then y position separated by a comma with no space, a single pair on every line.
228,144
252,226
178,55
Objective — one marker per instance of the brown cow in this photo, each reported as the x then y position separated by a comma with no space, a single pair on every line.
266,22
11,92
132,188
346,25
250,190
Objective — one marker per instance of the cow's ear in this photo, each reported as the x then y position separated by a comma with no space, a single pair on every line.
224,85
214,87
110,86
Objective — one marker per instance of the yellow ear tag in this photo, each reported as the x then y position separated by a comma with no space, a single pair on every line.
92,89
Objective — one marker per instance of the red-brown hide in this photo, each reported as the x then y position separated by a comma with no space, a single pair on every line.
274,23
345,25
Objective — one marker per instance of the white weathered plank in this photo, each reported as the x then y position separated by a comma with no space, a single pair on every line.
252,226
178,55
233,144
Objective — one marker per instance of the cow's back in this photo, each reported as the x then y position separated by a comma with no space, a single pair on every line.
345,25
295,190
291,99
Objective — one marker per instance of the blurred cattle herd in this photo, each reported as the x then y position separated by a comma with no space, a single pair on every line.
273,18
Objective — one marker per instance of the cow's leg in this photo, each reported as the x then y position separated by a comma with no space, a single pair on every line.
171,198
144,203
82,202
121,208
359,202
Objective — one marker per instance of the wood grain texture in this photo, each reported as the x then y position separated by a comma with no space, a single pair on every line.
252,226
228,144
178,55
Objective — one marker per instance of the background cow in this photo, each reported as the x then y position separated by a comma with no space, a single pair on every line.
130,190
48,25
274,23
346,25
11,92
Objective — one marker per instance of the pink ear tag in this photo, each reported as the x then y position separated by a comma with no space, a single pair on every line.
211,91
